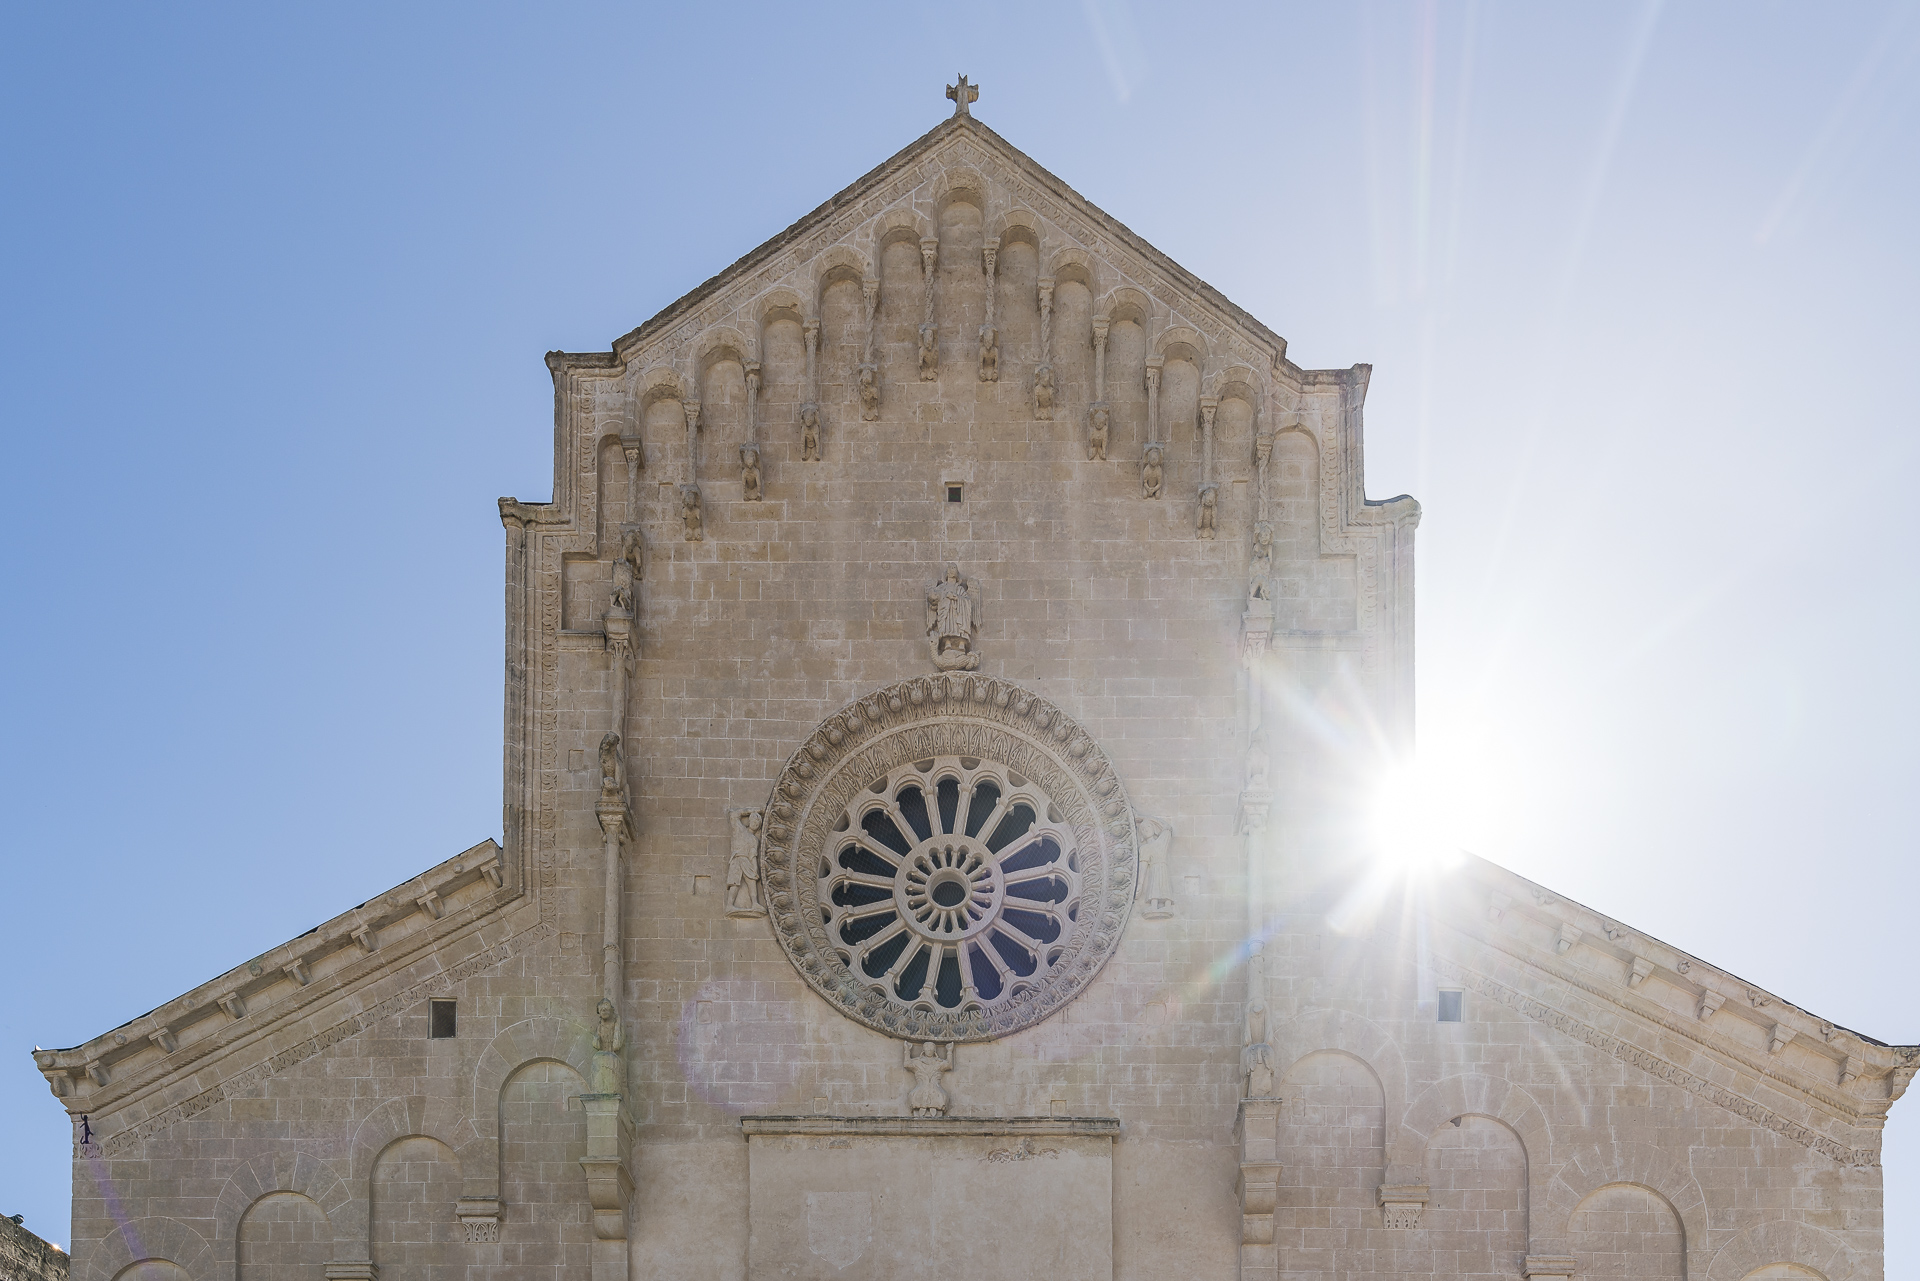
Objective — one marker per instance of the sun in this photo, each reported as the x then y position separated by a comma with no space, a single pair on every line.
1427,813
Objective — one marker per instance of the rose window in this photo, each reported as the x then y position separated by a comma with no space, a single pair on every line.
949,858
951,884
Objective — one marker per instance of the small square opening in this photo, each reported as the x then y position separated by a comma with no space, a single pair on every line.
440,1020
953,493
1450,1006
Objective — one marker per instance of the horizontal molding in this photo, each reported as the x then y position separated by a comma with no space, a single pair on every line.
933,1126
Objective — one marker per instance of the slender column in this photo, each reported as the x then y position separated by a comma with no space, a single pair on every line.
1209,406
691,515
753,403
1262,452
1100,324
812,331
929,350
692,408
869,372
612,827
990,332
1154,364
810,408
1043,388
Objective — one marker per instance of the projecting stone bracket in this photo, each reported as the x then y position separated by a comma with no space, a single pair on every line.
479,1219
609,1185
1403,1203
1547,1267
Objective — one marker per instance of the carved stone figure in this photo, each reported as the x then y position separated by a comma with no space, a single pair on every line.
928,1063
609,1064
750,473
929,354
1043,393
1260,564
622,591
989,354
951,625
612,769
743,864
810,432
1156,843
1256,1060
690,516
1257,760
870,393
1150,473
633,551
1097,421
1207,521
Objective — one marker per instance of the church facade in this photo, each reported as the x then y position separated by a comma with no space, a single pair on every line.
939,698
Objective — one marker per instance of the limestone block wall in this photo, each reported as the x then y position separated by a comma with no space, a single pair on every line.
1161,527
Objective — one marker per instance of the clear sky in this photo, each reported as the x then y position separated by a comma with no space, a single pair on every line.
1637,281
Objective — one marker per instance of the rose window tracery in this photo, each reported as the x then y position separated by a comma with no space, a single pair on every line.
951,883
949,858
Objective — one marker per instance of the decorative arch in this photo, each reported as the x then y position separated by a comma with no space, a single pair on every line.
1124,302
515,1047
152,1270
264,1175
777,304
1073,263
1585,1170
1018,224
152,1239
1181,342
1237,382
841,262
899,224
721,343
1797,1244
1474,1094
658,383
958,185
1358,1038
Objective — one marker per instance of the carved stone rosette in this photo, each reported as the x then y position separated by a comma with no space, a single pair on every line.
876,813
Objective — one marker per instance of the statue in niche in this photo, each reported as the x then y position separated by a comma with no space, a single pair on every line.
750,473
870,393
989,354
690,516
1257,760
1043,393
1151,472
1256,1060
1098,419
1156,843
613,778
929,355
1207,521
609,1064
951,624
810,433
928,1063
743,864
1260,565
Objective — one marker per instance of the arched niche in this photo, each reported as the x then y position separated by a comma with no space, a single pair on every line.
1333,1154
283,1171
1017,305
152,1270
1073,357
1626,1232
960,292
282,1235
1312,592
1782,1246
902,295
543,1136
1475,1169
1127,383
413,1188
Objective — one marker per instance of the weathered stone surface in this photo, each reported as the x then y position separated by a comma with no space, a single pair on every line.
749,713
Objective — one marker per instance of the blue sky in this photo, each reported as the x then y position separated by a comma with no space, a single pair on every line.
1637,282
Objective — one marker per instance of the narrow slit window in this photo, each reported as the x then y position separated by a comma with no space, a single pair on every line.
953,493
1449,1007
440,1019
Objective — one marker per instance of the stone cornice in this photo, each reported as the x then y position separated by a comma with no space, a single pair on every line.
1561,1021
925,1126
1495,899
246,1011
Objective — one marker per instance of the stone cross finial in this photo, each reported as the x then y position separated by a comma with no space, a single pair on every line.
962,96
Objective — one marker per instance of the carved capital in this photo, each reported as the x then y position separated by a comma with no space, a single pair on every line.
479,1219
1100,327
1403,1203
1548,1267
929,254
692,408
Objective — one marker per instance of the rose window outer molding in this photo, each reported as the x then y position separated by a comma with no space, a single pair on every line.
950,858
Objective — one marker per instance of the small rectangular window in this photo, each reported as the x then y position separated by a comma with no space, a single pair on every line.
440,1019
1449,1007
953,493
